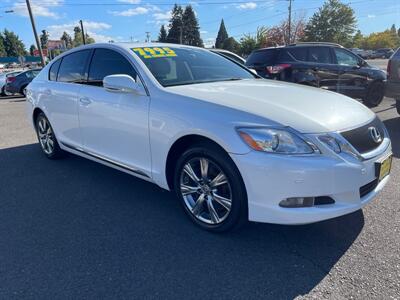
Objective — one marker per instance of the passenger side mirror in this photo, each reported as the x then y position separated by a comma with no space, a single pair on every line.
122,83
362,63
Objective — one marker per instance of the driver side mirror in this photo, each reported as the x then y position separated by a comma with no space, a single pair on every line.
122,83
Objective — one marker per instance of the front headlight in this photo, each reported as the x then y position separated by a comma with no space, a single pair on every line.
276,140
331,142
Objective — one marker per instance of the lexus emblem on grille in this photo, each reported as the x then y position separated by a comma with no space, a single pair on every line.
375,134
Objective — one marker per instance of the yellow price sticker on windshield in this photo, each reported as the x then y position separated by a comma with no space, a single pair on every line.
154,52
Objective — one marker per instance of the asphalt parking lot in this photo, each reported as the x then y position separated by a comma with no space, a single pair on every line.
76,229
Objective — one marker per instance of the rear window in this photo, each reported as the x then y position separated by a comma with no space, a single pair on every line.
73,67
262,57
54,70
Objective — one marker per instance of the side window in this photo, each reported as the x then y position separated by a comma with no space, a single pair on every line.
299,53
345,58
321,55
54,70
73,67
108,62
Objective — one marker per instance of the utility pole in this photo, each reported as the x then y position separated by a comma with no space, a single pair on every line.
83,33
180,35
290,21
147,36
28,5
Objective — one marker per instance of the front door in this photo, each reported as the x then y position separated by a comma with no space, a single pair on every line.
353,78
114,125
325,71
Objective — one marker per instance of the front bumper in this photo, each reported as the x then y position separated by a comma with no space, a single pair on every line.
271,178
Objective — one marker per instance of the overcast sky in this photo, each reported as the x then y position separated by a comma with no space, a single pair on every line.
126,20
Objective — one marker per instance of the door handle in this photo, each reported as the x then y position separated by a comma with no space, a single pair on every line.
85,101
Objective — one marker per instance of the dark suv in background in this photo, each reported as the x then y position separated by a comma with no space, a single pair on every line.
325,65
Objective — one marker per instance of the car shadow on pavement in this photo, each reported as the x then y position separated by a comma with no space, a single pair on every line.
393,126
11,97
73,228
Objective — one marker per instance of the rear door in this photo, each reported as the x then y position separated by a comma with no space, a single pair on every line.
61,93
114,125
353,77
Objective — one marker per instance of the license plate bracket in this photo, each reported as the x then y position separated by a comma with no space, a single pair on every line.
383,167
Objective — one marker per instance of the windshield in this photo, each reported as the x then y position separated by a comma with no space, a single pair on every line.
180,66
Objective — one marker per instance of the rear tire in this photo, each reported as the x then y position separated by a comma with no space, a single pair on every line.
375,94
210,188
47,139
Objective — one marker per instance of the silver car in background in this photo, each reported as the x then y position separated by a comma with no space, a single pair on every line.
393,78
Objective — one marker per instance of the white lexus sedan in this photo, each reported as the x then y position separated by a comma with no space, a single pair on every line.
232,146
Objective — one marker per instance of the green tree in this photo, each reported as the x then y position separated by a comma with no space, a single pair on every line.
358,40
393,29
13,46
89,39
162,36
231,44
44,38
2,49
191,29
67,40
249,42
221,36
175,29
385,39
77,36
333,22
32,49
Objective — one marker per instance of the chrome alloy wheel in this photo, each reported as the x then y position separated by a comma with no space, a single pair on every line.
206,190
46,136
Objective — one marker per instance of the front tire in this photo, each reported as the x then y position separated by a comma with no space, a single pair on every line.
375,94
47,138
210,188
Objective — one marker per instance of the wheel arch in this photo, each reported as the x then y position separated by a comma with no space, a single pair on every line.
35,114
180,146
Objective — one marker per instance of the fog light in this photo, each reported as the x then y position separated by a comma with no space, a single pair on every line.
297,202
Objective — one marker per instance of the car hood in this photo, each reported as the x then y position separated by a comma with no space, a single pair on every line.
306,109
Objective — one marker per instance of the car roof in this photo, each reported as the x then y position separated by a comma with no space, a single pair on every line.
302,44
125,46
